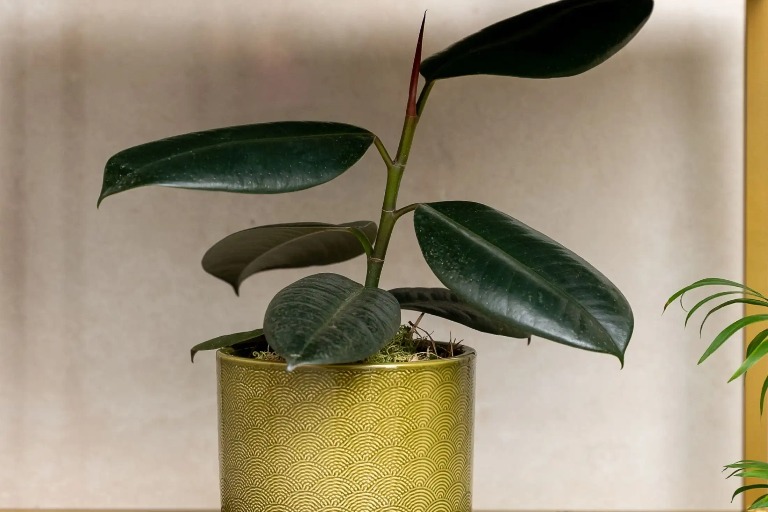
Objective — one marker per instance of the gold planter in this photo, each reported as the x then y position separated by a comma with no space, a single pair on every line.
346,438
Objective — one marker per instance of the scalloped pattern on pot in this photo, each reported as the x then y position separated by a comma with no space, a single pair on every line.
395,438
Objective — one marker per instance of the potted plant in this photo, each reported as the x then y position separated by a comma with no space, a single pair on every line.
756,350
314,414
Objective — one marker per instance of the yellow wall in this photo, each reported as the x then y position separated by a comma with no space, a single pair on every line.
756,184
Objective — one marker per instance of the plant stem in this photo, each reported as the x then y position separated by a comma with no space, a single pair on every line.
423,97
357,233
405,209
395,169
388,209
382,151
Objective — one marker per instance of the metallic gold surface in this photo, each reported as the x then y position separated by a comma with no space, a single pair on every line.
346,438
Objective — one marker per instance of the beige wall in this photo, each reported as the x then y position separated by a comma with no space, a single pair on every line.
636,166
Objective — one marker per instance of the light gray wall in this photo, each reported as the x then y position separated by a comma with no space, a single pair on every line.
635,165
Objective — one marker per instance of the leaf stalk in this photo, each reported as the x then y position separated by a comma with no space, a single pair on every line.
423,97
405,209
382,151
367,247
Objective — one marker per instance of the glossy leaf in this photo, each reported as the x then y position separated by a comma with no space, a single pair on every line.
446,304
521,277
303,244
559,39
328,318
264,158
236,340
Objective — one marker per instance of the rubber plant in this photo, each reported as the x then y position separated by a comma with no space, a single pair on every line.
500,275
756,350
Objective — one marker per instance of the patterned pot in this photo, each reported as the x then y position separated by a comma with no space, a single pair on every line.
346,438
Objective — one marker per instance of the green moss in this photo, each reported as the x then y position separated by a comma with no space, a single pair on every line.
267,355
407,345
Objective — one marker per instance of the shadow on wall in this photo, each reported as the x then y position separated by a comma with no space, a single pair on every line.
42,149
74,93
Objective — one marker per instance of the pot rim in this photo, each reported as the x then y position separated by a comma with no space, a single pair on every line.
467,354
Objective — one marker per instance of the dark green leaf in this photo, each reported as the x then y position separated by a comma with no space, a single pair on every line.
747,488
757,352
264,158
710,281
756,341
520,277
762,395
446,304
705,300
730,331
304,244
328,319
752,302
560,39
236,340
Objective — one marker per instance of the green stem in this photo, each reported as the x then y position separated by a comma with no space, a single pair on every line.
358,233
405,209
389,206
423,97
382,151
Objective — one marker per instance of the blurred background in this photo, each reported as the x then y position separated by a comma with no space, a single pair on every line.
636,166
